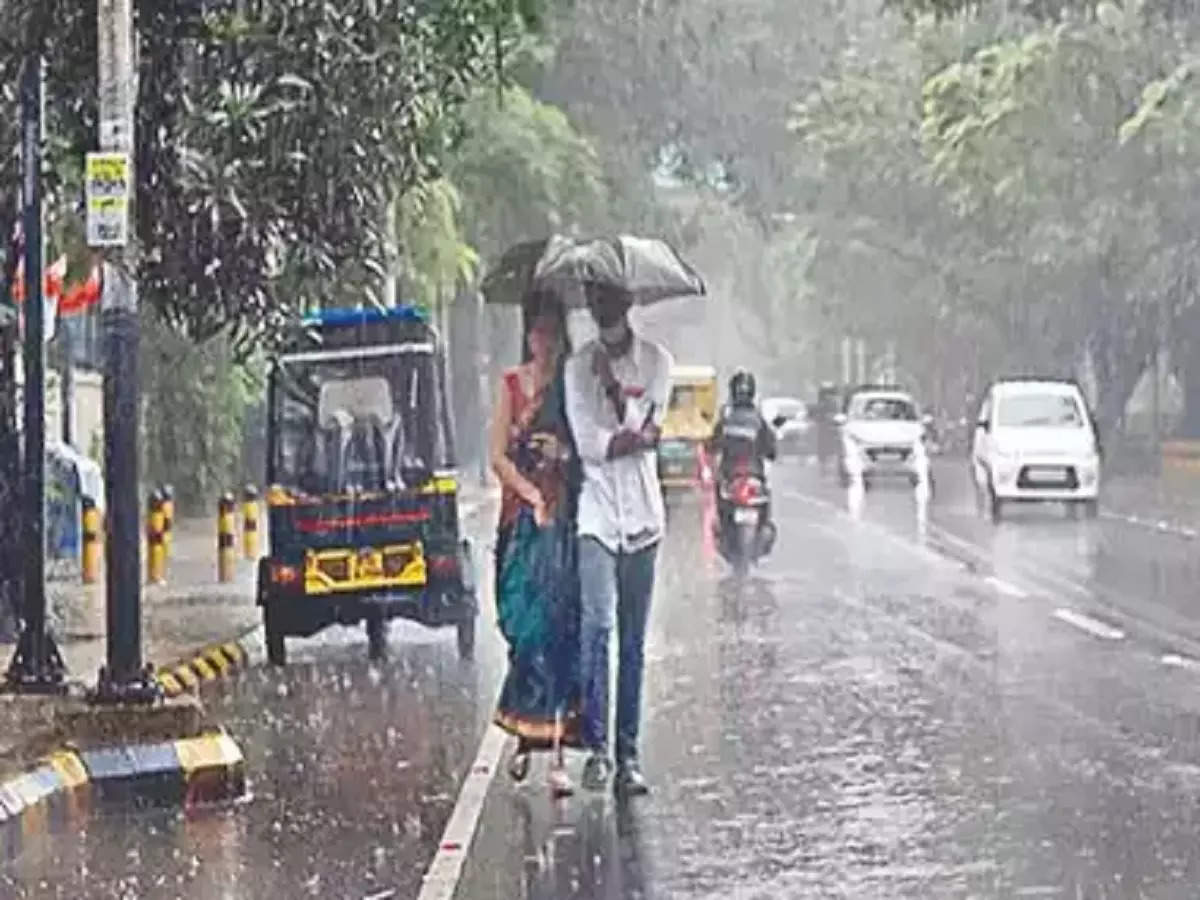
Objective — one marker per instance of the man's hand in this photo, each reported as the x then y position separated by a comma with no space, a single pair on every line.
625,443
650,435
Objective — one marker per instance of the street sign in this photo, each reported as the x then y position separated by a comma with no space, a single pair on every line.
107,189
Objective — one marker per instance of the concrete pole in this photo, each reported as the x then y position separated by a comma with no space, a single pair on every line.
123,678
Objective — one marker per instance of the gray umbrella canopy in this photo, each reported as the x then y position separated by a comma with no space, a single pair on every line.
646,270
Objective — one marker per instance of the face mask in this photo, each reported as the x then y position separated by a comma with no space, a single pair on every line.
608,315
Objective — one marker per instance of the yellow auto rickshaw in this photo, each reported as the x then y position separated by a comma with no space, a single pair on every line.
688,425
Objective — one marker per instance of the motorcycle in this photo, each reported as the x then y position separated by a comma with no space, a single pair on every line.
745,534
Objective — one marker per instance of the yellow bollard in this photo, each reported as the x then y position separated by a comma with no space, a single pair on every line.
156,549
168,508
250,522
226,528
93,544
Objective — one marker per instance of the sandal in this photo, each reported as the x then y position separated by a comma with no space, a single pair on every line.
560,782
518,766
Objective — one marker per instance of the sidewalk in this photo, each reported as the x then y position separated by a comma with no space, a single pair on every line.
191,610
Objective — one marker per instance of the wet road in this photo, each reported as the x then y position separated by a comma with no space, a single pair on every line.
908,701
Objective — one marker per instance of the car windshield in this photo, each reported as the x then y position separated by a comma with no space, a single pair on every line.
1039,411
895,409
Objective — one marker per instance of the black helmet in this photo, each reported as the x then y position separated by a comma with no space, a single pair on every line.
742,387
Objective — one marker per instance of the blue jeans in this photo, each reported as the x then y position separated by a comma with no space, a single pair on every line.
615,590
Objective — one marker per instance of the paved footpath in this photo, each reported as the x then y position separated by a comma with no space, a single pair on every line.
191,610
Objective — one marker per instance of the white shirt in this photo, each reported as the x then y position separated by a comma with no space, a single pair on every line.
621,501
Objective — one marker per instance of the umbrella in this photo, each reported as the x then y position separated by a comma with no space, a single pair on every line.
644,269
509,281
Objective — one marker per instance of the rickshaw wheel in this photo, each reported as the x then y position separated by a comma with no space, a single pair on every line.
276,644
466,637
376,638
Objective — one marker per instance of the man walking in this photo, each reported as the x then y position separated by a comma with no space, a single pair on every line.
617,389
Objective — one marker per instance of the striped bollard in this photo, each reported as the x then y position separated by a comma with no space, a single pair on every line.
156,548
93,542
226,530
168,508
250,512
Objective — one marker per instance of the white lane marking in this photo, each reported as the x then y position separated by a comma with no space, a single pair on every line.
1084,622
1176,661
441,878
1160,526
1007,588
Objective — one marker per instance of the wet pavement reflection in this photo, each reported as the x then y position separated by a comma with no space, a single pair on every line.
887,708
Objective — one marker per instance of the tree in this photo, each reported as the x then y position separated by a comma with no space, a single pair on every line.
272,138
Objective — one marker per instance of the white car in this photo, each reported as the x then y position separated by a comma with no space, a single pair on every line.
1036,440
883,434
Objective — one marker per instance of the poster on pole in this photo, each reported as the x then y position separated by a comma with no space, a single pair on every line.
107,192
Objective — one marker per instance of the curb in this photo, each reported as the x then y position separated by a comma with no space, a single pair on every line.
61,792
206,666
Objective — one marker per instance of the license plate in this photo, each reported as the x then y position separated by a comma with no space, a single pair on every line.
888,457
1047,475
745,516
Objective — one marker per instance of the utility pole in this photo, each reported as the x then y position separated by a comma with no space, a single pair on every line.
37,666
110,227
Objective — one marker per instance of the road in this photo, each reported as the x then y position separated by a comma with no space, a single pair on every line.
906,701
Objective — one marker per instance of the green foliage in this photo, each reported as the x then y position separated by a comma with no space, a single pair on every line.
434,257
196,400
272,137
524,170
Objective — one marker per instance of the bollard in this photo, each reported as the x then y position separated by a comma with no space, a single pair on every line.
93,543
156,548
250,522
168,508
226,555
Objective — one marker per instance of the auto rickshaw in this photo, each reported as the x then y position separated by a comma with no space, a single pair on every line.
687,426
363,497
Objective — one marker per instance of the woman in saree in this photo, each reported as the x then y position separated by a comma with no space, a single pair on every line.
537,590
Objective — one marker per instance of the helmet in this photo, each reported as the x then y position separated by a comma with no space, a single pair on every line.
742,387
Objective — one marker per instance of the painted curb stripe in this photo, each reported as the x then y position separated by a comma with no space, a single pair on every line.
213,768
215,657
235,653
441,878
204,670
170,684
187,677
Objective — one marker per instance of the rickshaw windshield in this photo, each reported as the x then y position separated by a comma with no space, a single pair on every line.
367,418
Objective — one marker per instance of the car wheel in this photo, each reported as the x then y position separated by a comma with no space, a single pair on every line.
376,638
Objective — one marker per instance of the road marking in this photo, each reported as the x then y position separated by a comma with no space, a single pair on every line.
441,878
1176,661
1007,588
1084,622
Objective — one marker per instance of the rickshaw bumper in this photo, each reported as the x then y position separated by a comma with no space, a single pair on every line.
301,616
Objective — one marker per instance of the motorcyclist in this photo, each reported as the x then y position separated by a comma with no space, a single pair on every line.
743,440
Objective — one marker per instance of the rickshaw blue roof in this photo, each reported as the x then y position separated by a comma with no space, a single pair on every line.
363,316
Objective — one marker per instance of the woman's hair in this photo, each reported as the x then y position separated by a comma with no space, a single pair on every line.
542,305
